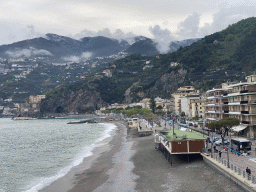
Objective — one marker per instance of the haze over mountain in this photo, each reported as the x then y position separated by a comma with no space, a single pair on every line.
61,48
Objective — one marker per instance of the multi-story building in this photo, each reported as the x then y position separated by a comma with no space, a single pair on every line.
198,107
242,105
36,98
216,106
182,92
186,104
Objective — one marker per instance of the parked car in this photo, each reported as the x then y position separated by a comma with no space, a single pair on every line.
206,128
219,142
195,125
190,124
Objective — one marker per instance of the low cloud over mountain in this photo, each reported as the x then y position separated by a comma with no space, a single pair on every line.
31,51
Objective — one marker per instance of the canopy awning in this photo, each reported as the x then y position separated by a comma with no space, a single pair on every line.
239,128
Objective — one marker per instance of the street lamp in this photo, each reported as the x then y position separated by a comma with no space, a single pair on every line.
211,145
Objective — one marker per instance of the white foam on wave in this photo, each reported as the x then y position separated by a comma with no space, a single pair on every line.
86,152
107,132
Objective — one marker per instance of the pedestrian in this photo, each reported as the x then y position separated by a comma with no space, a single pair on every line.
248,171
214,148
220,154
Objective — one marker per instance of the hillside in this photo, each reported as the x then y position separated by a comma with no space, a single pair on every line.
228,55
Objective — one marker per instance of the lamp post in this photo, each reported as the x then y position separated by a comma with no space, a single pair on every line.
211,145
173,125
228,157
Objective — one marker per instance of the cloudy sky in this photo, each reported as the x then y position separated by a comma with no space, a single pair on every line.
162,20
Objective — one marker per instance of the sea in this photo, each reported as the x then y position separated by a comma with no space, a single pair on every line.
34,153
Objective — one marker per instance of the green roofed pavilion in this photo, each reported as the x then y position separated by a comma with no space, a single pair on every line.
180,135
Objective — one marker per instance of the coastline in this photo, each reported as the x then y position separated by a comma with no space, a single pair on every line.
92,167
126,162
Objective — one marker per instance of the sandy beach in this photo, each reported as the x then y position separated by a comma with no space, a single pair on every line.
126,162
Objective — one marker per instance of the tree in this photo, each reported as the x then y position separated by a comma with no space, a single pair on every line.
214,125
229,122
152,104
182,114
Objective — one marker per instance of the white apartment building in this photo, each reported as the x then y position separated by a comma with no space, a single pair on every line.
182,92
242,105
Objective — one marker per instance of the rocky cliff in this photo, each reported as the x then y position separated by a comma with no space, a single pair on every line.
80,101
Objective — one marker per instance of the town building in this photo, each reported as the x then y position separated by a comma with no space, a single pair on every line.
242,105
31,108
181,99
216,106
198,107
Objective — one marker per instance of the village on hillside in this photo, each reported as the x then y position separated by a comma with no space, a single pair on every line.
231,99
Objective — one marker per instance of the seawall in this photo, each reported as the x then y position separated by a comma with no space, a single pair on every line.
233,175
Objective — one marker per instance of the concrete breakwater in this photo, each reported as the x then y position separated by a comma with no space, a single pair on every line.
95,120
245,181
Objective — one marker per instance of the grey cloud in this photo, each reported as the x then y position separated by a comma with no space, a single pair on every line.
189,27
227,16
162,37
77,59
28,52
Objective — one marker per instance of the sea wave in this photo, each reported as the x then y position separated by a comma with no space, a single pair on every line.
78,159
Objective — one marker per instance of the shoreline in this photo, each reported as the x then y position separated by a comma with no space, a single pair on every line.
81,174
127,162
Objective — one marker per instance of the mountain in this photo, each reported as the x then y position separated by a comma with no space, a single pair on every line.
143,47
102,46
58,48
228,55
175,45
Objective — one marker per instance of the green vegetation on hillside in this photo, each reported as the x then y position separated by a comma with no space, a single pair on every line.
228,55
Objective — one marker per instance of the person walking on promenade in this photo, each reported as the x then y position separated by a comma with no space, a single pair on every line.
248,171
219,154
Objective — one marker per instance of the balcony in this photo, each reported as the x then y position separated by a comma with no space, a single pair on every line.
243,102
244,91
235,113
248,122
234,103
245,122
252,102
212,112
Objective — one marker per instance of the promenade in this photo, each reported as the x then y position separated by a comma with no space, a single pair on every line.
150,126
230,164
233,166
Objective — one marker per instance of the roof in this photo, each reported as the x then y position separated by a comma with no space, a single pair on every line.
168,135
241,139
239,128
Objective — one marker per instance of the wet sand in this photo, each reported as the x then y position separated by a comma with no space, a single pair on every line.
127,162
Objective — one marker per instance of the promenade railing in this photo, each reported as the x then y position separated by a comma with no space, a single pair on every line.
236,161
